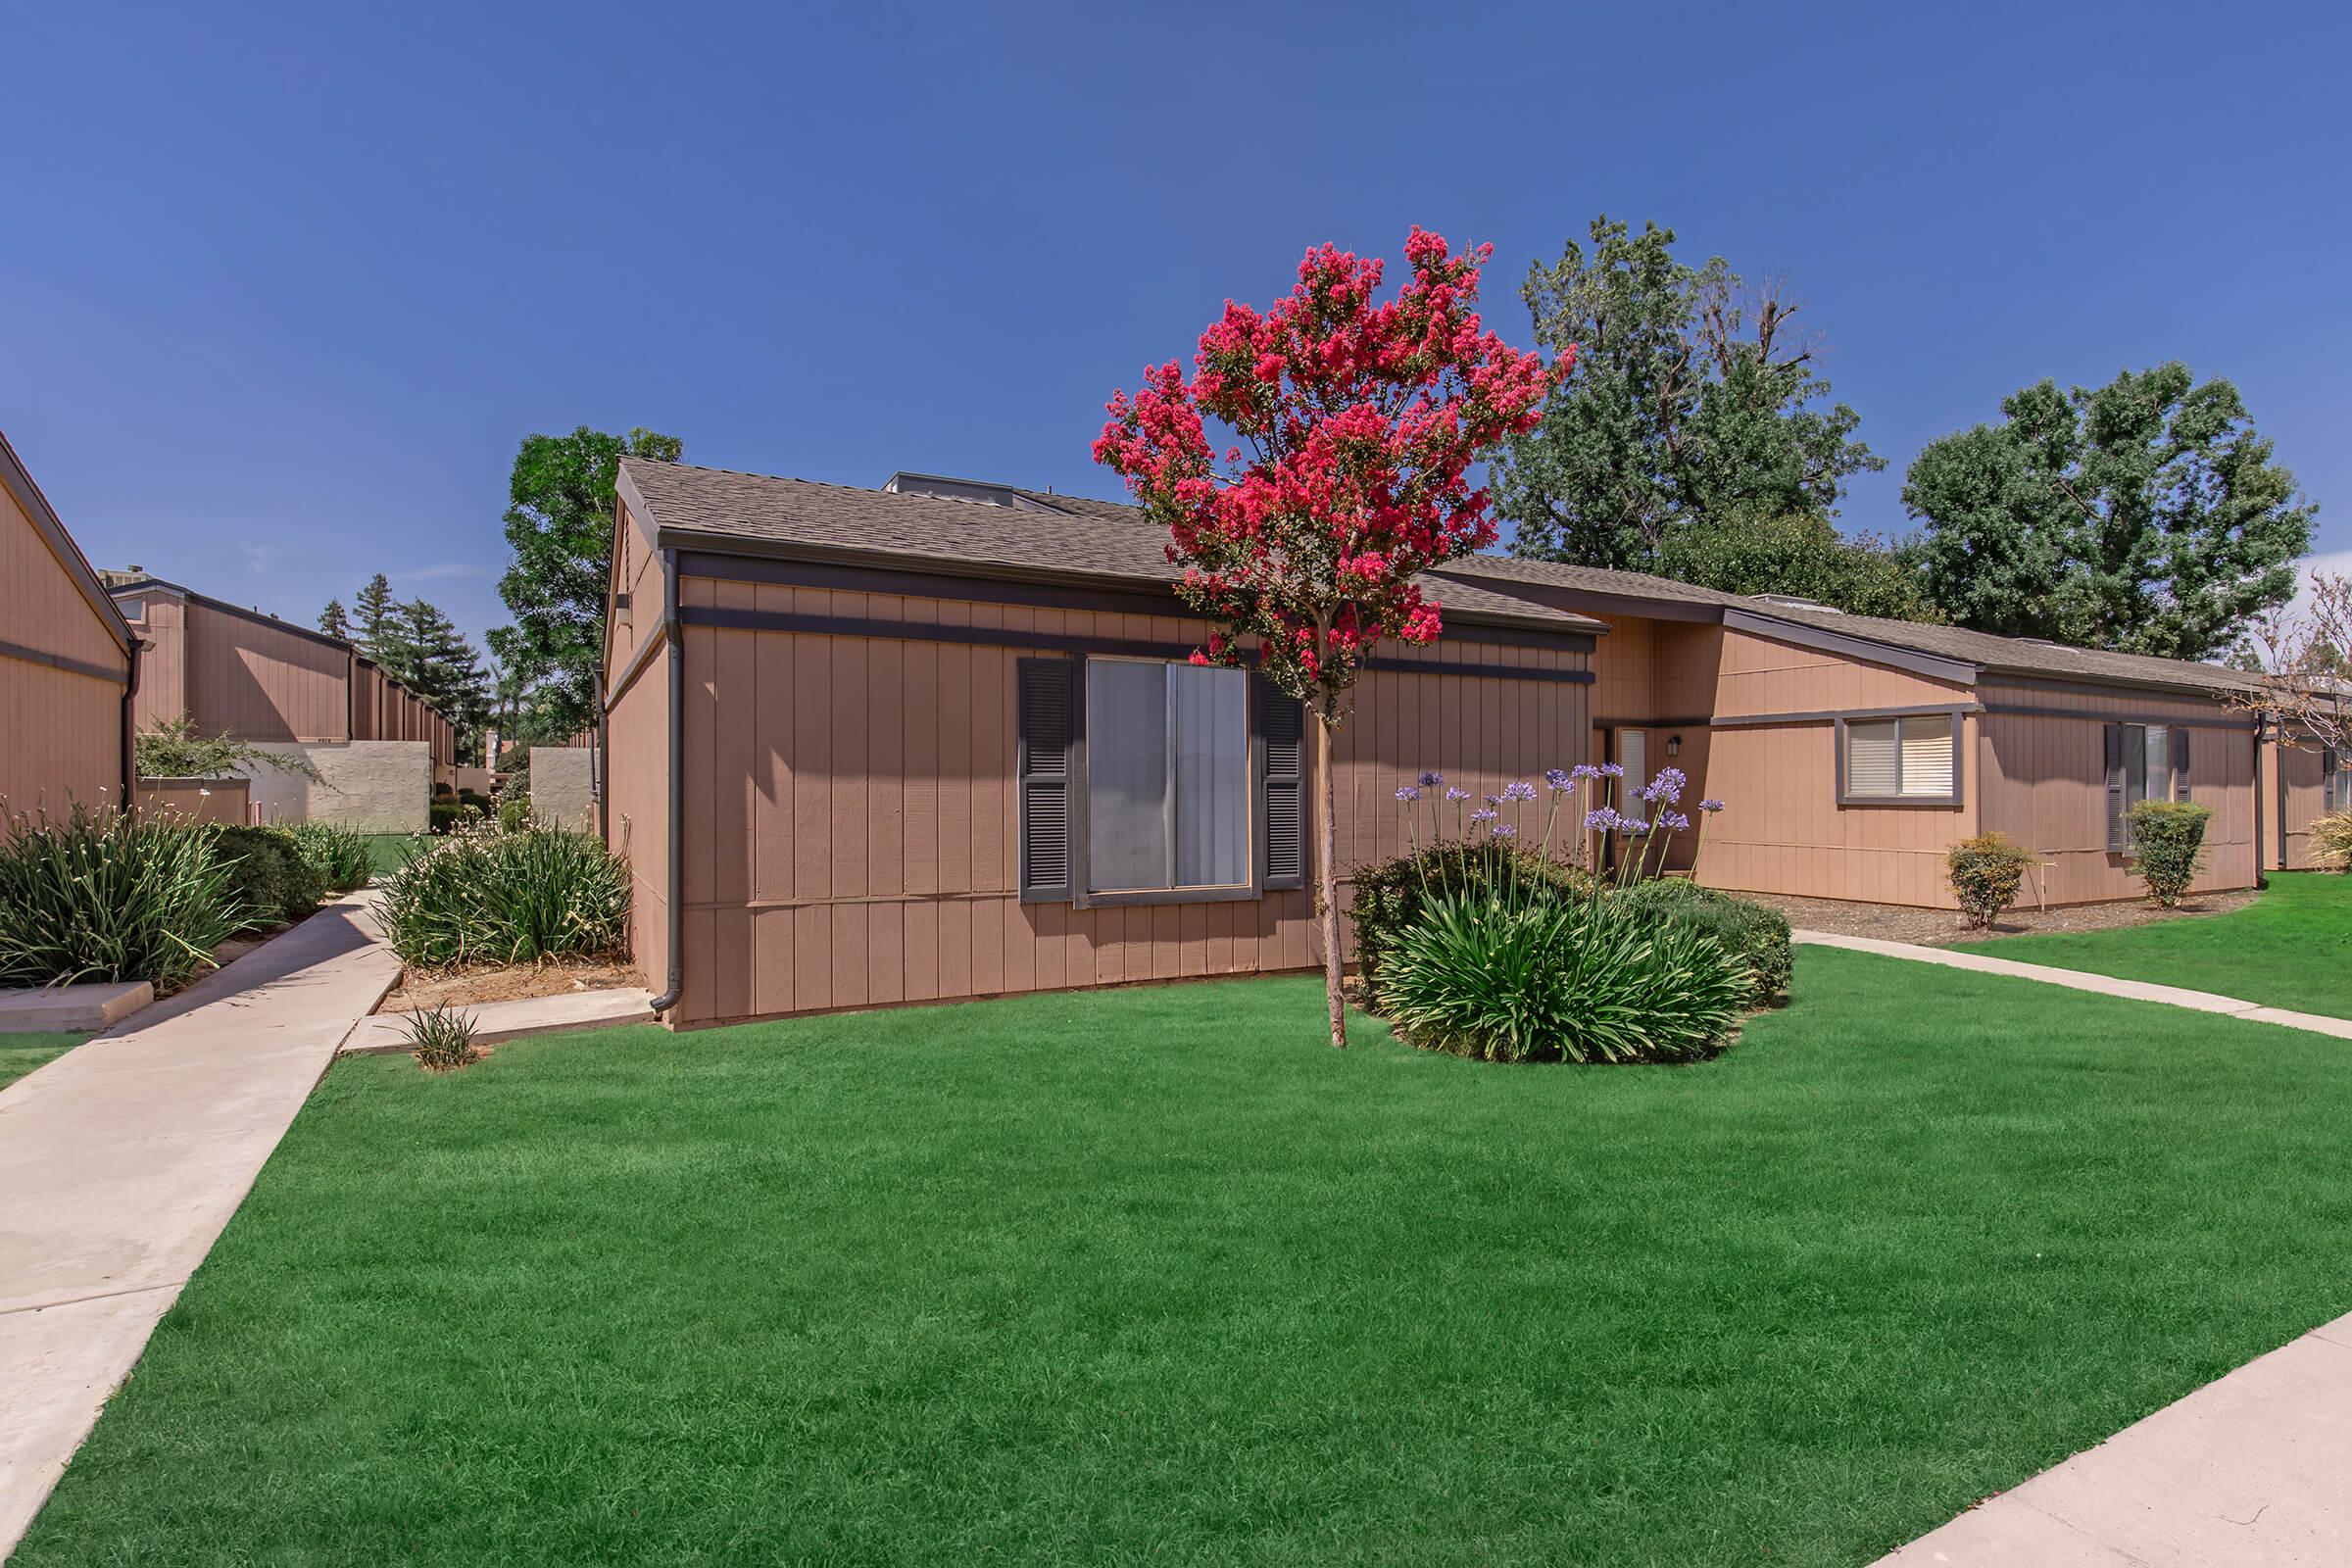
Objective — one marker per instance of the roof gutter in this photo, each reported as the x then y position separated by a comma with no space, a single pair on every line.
675,878
130,732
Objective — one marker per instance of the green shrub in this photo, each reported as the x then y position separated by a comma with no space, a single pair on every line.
482,896
2331,842
1754,933
1987,871
514,812
2168,846
272,877
442,1040
105,897
444,814
1389,895
339,855
1552,979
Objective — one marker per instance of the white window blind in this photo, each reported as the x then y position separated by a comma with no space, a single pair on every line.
1910,758
1927,743
1167,766
2157,784
1873,758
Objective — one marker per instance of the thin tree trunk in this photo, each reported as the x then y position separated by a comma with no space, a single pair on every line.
1327,875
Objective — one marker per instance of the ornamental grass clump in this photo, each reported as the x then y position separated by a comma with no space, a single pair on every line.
339,855
1986,872
1756,934
2167,846
2331,842
480,894
442,1040
1549,980
101,896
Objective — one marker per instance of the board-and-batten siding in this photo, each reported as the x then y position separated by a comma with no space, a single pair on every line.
2306,798
61,729
1783,830
2046,785
851,837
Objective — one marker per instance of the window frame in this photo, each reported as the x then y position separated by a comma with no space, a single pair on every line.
1955,716
1083,895
2335,782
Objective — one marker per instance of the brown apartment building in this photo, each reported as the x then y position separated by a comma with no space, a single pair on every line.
66,663
287,688
941,740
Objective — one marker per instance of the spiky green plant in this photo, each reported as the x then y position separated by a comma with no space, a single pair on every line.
339,855
101,896
1554,980
480,894
442,1040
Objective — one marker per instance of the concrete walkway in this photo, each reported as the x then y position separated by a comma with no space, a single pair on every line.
2252,1471
2077,980
123,1159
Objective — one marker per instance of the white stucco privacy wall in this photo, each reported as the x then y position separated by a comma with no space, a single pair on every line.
374,786
563,786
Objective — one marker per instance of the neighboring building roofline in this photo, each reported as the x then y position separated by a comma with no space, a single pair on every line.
140,585
30,495
1871,651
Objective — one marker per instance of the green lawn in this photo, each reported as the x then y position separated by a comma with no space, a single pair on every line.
21,1054
1156,1276
2290,947
387,852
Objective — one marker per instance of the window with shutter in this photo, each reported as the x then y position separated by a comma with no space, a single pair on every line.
1048,729
1281,725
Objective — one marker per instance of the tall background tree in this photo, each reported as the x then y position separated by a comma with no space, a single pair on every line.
333,620
560,523
416,644
2144,516
1356,425
371,610
1696,405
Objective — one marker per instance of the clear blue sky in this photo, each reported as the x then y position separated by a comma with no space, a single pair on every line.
280,291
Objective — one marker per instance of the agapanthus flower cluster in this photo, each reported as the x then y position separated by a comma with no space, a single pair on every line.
1408,794
1456,793
1430,781
1710,805
1519,792
1609,771
1484,814
1556,779
1503,830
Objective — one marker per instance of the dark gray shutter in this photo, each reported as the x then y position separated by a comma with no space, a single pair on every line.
2179,762
1281,725
2116,828
1049,745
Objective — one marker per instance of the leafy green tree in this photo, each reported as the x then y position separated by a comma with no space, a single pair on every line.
333,621
1695,400
561,524
173,747
427,652
1798,553
2144,516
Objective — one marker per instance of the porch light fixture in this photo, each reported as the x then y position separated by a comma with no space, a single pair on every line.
1674,746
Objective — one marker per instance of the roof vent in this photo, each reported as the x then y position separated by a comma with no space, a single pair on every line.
948,489
1801,601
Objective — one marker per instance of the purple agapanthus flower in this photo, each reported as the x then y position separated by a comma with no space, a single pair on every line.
1493,799
1711,805
1584,770
1602,821
1485,813
1457,792
1408,794
1632,826
1610,771
1430,781
1504,830
1519,792
1557,779
1648,792
1673,822
1668,785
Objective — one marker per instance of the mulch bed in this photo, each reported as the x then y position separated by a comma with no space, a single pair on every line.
1937,928
422,989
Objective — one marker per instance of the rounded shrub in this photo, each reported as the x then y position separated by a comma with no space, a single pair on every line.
1390,893
108,896
339,855
2168,846
1551,979
272,880
1754,933
1986,872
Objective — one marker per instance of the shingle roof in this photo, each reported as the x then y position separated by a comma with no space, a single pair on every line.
1077,537
1999,654
1097,539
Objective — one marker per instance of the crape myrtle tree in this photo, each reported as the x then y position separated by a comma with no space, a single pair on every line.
1348,428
